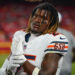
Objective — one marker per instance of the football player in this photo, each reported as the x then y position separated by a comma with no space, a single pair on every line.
39,50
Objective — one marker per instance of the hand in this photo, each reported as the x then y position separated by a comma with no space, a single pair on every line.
11,63
16,60
19,59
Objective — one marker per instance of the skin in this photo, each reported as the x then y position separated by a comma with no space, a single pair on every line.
39,23
48,67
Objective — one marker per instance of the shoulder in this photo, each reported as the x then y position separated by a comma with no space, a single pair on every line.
60,36
20,32
19,35
57,36
58,43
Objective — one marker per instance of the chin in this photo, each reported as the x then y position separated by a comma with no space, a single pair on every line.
34,31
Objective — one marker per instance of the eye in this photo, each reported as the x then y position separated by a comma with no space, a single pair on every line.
34,16
44,21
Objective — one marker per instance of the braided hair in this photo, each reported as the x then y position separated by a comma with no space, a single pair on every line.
53,17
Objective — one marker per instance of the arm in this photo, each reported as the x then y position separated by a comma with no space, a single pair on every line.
50,62
8,66
48,66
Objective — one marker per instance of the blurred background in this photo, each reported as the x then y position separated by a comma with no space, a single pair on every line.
14,15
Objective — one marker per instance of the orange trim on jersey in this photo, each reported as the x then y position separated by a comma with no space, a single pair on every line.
66,46
50,46
30,57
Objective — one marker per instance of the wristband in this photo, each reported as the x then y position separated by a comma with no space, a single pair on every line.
35,71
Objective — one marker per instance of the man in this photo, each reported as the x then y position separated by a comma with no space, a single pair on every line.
67,60
38,50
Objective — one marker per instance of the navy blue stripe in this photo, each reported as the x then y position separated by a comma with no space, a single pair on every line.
30,57
59,42
55,50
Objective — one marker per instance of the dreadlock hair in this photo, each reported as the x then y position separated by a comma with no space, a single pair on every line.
53,17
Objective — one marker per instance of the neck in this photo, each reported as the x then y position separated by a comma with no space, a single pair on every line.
35,33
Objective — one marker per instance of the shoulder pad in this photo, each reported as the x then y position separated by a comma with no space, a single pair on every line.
19,35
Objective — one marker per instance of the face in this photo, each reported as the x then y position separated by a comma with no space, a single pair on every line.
40,21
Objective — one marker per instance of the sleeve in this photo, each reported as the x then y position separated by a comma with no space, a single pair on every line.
59,44
18,37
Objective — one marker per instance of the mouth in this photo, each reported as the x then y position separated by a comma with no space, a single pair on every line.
36,25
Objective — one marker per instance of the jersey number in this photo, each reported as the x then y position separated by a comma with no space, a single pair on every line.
59,46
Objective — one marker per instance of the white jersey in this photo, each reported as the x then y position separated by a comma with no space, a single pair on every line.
36,48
